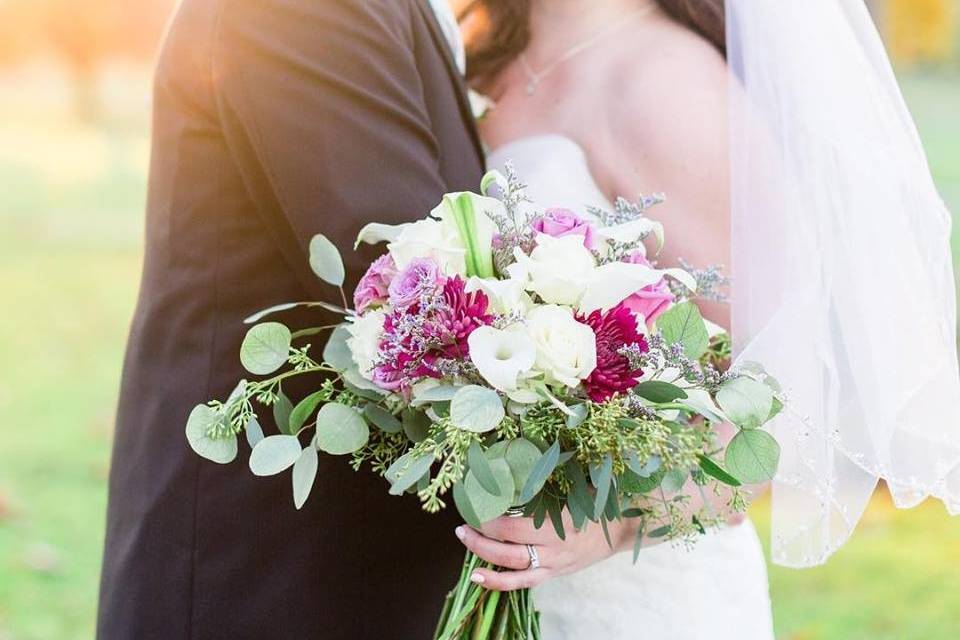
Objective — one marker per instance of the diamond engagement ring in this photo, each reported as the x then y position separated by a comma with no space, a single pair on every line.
534,557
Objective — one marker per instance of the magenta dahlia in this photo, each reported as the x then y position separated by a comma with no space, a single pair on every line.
614,329
463,313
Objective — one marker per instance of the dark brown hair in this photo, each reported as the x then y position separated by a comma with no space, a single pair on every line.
498,30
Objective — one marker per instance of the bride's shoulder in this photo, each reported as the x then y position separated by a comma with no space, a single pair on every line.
672,90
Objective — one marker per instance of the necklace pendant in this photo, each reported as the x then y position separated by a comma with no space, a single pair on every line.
531,87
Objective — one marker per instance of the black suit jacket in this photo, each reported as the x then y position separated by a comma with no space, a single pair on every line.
274,120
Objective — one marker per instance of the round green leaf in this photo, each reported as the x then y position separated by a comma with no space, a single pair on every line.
416,424
485,505
219,450
659,391
406,472
274,454
383,419
265,348
745,401
304,475
521,456
340,429
477,409
683,324
325,261
752,456
253,431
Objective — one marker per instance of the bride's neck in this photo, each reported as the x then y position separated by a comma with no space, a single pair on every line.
569,21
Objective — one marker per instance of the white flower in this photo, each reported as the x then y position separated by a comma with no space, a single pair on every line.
458,233
558,268
614,282
502,356
365,333
505,296
429,238
566,349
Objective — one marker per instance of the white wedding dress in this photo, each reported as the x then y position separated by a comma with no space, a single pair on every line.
717,590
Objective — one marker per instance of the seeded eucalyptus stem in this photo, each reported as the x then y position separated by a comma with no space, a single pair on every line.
471,612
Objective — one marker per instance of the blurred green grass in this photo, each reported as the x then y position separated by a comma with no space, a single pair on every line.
71,202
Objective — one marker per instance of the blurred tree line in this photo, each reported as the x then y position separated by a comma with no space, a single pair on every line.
82,34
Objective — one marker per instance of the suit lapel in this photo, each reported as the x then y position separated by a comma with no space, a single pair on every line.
463,99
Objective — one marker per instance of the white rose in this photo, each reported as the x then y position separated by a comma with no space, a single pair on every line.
429,238
558,268
365,334
566,349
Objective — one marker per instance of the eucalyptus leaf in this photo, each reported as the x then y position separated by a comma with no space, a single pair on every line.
683,324
464,507
274,454
407,475
260,315
752,456
659,391
340,429
219,450
745,401
282,407
440,393
521,456
325,260
477,409
579,413
383,419
336,353
601,476
674,480
304,409
644,469
540,473
713,469
481,470
254,431
304,475
486,505
660,532
265,348
416,424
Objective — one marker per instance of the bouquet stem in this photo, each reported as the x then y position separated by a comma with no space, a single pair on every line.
471,612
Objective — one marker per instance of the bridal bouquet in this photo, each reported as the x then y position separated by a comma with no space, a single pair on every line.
510,360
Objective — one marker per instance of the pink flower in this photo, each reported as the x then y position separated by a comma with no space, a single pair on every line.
428,337
560,222
464,312
614,329
373,287
421,277
652,300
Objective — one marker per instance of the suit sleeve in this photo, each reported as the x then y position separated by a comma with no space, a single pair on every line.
322,106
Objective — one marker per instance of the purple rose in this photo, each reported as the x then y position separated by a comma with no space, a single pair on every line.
560,222
372,290
652,300
421,276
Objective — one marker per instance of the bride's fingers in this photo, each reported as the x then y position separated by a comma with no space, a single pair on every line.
509,580
502,554
519,531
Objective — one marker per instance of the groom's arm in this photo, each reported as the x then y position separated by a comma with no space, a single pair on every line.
322,106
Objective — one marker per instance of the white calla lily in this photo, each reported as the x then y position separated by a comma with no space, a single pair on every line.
614,282
632,231
376,232
502,356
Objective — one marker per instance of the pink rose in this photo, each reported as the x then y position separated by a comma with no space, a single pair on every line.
372,290
560,222
421,276
652,300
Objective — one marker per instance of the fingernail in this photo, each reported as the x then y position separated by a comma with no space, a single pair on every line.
477,578
460,532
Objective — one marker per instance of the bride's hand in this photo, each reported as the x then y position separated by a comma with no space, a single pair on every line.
504,541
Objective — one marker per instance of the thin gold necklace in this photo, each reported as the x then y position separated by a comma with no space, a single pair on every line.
534,76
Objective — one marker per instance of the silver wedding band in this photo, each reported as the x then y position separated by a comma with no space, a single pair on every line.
534,556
